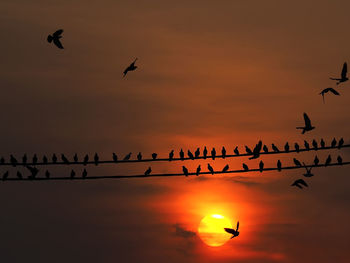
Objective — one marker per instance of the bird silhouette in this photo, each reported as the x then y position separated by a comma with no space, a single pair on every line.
210,169
261,166
343,76
45,160
328,160
2,160
131,67
334,143
308,126
225,169
154,156
24,159
115,157
233,232
55,37
297,148
265,149
300,183
148,171
84,174
322,143
314,144
182,155
223,152
205,152
171,155
341,143
197,153
127,157
245,167
198,170
5,176
75,158
35,159
308,171
274,148
33,171
340,160
256,151
72,174
19,175
185,170
190,154
54,158
286,147
323,92
86,159
279,165
47,174
236,150
316,160
64,159
213,153
96,159
248,150
307,145
13,160
296,162
139,156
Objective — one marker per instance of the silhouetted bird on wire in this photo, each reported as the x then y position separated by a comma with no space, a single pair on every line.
314,144
297,148
197,153
322,143
307,145
75,158
131,67
33,171
210,169
265,149
233,232
2,160
86,159
154,156
308,126
225,169
115,157
328,90
308,171
343,76
5,176
296,162
328,160
185,170
245,167
45,160
316,160
256,151
127,157
190,154
286,147
35,159
171,155
261,166
223,152
55,37
341,143
84,174
54,158
148,171
279,165
139,156
236,150
182,155
72,174
198,170
24,159
205,152
340,160
213,153
47,174
96,159
334,143
248,150
64,159
19,175
300,183
274,148
13,160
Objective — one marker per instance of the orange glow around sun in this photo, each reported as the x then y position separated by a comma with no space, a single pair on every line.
211,230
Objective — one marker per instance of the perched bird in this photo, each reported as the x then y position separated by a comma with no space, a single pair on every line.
84,174
185,170
5,176
341,143
307,145
316,160
248,150
2,160
45,160
64,159
205,152
190,154
274,148
127,157
265,149
148,171
19,175
210,169
131,67
171,155
261,166
308,126
139,156
223,152
33,171
245,167
86,159
225,169
213,153
154,156
314,144
296,162
75,158
308,171
54,158
329,90
197,153
13,160
256,151
235,233
115,157
198,170
297,148
236,150
72,174
340,160
334,143
343,76
322,143
279,165
300,183
24,159
182,155
96,159
35,159
47,174
286,147
328,160
55,37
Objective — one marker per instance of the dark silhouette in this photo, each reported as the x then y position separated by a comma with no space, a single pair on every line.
300,183
96,159
279,165
334,143
223,152
154,156
171,155
148,171
45,160
245,167
210,169
308,171
256,151
329,90
33,171
296,162
35,159
308,126
72,174
185,170
340,160
64,159
55,37
236,150
314,144
213,153
205,152
316,160
19,175
190,154
235,233
24,159
86,159
139,156
198,170
115,157
307,145
131,67
197,153
2,160
75,158
127,157
297,148
265,149
286,147
341,143
322,143
182,155
225,169
328,160
47,174
248,150
5,176
54,158
261,166
274,148
84,174
13,160
343,76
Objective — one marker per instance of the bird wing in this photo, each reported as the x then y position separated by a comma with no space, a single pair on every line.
230,231
58,43
301,181
344,71
334,91
58,33
49,38
307,120
237,226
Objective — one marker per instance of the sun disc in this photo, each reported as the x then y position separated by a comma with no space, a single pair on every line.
211,230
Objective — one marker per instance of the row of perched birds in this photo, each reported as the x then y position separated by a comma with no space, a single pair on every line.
197,154
34,172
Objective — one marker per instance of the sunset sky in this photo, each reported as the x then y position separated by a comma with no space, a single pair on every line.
210,73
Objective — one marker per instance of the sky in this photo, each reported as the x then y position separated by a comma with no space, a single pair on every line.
210,73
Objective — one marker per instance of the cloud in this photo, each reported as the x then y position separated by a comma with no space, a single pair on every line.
182,232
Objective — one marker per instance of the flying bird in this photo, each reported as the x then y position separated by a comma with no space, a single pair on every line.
261,166
55,37
182,155
341,143
286,147
334,143
265,149
235,233
210,169
297,148
198,170
328,90
223,152
307,145
131,67
308,126
245,167
148,171
328,160
274,148
300,183
308,171
316,160
86,159
225,169
185,170
296,162
279,165
96,159
340,160
343,76
171,155
213,153
190,154
127,157
236,150
115,157
314,144
197,153
205,152
154,156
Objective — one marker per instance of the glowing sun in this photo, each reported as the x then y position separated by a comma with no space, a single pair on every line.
211,230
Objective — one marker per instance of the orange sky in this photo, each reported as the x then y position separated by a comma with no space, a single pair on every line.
211,73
